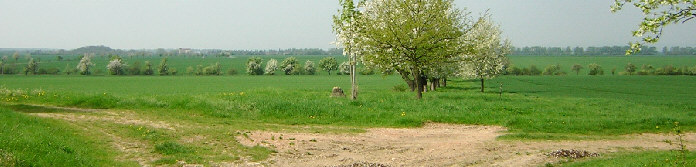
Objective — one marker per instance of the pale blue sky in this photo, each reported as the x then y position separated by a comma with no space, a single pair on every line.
273,24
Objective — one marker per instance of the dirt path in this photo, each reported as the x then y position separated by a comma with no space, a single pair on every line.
131,149
432,145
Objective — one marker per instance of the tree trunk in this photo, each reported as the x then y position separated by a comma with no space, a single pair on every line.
411,83
419,84
444,82
482,86
329,72
424,83
354,88
433,84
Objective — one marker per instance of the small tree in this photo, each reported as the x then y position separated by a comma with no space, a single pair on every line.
85,64
32,67
254,66
68,69
595,69
271,67
116,67
2,64
163,68
289,66
148,69
328,64
135,68
15,56
630,68
309,68
59,58
190,70
488,59
577,68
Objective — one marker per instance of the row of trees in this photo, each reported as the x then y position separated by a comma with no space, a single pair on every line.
580,51
596,69
117,66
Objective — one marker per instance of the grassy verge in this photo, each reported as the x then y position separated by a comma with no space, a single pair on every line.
30,141
648,158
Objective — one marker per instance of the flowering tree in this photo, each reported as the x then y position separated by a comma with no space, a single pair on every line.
658,14
85,64
409,36
309,68
163,67
328,64
32,67
347,28
487,58
289,66
116,67
254,66
344,68
271,67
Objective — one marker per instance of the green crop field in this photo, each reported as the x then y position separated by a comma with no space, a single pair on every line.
531,108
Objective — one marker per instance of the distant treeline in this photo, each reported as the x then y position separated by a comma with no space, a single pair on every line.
532,51
103,50
595,51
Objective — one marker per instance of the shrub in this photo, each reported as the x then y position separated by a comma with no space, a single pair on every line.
630,68
513,71
135,68
190,71
148,69
533,70
232,71
400,88
254,66
646,70
553,70
309,68
173,71
49,71
595,69
163,68
32,67
213,69
271,67
289,66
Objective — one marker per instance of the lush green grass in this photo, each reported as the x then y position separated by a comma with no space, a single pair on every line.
648,158
539,109
30,141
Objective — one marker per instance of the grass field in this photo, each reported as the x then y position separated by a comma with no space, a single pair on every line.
531,107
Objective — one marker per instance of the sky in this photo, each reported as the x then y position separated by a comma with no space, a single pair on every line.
279,24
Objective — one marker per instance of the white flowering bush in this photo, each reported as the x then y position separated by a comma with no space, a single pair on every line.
271,67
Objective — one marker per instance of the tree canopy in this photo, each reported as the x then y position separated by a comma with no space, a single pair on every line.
657,15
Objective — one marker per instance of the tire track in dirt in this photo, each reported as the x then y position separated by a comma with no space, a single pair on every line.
433,145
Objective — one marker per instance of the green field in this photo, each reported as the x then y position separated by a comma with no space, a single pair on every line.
531,107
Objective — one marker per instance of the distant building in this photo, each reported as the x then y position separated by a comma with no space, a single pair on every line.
184,50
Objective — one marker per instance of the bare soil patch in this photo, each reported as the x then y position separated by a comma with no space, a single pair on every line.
433,145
